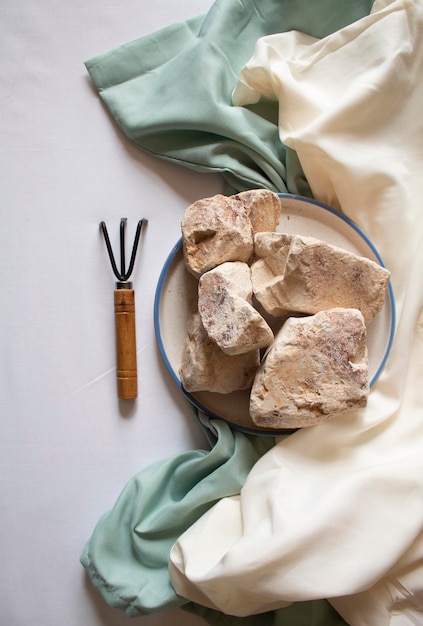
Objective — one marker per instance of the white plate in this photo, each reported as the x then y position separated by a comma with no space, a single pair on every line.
176,296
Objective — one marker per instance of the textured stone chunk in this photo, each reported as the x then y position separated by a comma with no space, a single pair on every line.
224,303
263,208
205,367
221,228
316,369
306,275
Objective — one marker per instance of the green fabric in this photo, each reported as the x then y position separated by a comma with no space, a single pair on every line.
170,91
127,555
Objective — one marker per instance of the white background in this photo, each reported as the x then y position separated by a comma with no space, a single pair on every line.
67,445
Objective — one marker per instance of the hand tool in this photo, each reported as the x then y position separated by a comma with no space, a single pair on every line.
124,301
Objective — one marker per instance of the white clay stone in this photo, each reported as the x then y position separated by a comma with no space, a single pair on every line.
224,303
305,275
221,228
316,369
263,208
205,367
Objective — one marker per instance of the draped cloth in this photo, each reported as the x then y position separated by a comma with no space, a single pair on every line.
127,556
336,511
170,91
128,553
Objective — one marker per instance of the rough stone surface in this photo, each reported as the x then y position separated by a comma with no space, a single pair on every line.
316,369
306,275
224,303
221,228
263,208
215,230
205,367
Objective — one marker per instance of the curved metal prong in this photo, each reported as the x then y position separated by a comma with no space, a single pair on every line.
123,221
123,275
140,225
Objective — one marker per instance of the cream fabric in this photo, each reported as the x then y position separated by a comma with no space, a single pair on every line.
336,511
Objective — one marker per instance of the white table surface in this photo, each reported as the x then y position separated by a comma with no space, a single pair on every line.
67,445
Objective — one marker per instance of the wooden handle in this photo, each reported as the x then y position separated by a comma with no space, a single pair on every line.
126,348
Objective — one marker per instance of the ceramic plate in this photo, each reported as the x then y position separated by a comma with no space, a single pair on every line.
177,292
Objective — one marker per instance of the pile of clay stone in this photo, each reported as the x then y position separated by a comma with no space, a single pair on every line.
315,365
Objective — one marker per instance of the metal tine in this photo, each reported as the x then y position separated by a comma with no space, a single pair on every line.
123,275
140,226
122,247
109,250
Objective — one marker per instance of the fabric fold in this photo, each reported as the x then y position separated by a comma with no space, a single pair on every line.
170,91
127,555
